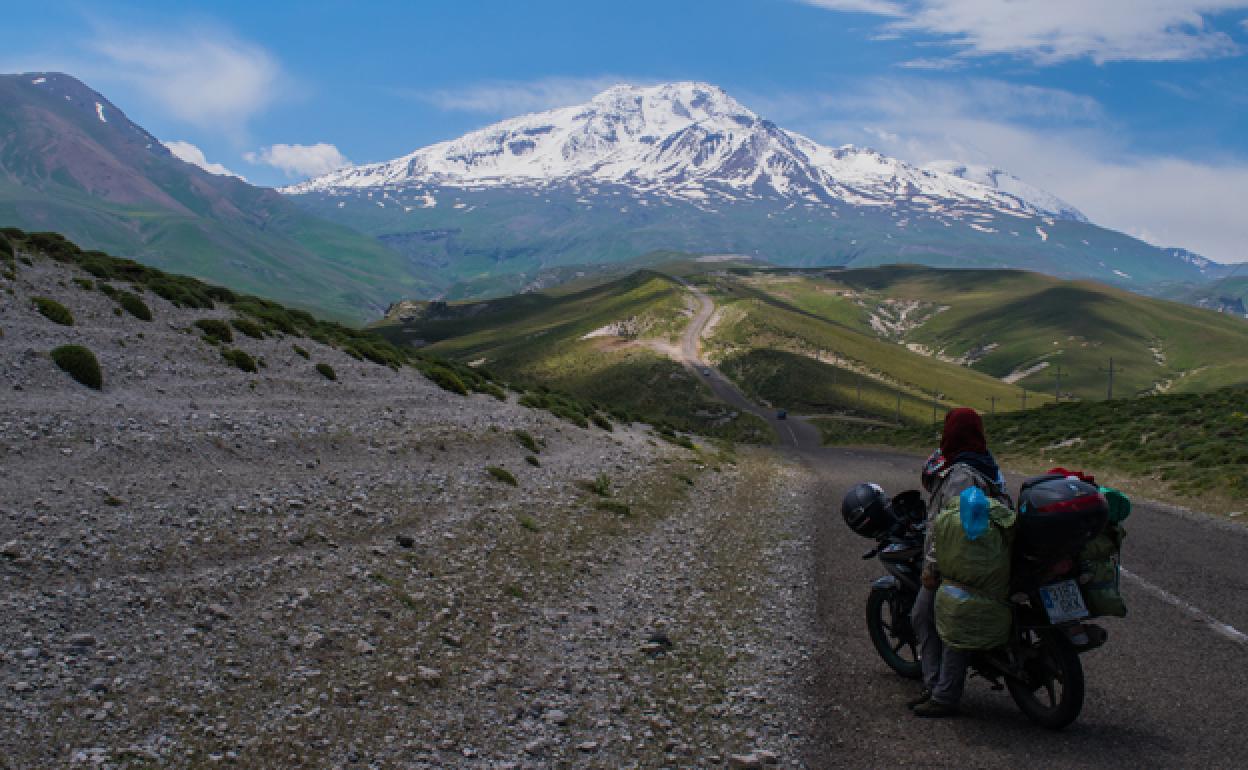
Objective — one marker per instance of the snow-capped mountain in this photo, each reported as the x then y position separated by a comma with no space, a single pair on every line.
689,141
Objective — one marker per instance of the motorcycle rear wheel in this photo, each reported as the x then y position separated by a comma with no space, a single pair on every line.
1052,696
888,624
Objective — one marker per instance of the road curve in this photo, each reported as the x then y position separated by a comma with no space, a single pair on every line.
791,432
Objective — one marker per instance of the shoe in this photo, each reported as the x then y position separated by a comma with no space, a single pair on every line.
935,709
924,696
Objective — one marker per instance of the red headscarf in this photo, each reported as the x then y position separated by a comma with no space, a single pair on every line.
964,432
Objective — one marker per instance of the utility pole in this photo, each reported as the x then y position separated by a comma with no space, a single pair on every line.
934,406
1057,389
860,392
993,399
899,407
1024,397
1109,396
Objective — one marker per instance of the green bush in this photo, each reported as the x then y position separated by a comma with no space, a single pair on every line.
300,351
531,460
240,359
215,330
528,522
601,486
446,379
6,248
54,311
86,284
602,422
502,474
80,363
250,328
527,441
327,371
134,305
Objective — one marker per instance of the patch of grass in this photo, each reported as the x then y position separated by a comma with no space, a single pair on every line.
527,441
601,485
532,460
53,311
446,379
514,591
528,522
614,506
80,363
327,371
300,351
215,330
240,359
249,328
86,284
134,305
602,422
502,474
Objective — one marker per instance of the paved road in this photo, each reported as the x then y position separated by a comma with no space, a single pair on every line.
1169,689
790,432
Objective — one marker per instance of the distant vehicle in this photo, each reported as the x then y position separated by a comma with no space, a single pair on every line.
782,414
706,371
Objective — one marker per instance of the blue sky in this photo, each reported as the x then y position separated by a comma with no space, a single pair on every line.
1136,111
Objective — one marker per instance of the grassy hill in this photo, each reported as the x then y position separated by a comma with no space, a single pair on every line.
1009,324
1185,447
548,338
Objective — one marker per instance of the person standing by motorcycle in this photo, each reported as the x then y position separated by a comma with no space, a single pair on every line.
962,461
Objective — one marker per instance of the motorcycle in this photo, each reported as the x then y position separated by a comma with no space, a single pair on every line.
1039,665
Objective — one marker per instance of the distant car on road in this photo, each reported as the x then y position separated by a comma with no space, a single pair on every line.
706,371
782,414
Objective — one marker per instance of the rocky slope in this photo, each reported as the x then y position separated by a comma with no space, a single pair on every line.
200,565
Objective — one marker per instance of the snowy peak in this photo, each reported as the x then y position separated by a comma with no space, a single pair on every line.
689,141
1007,183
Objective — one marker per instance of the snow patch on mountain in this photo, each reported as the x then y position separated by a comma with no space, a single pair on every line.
997,179
689,141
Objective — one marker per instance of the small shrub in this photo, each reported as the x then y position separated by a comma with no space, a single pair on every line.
601,422
86,284
327,371
134,305
446,379
528,522
531,460
601,486
53,311
215,330
614,506
240,359
80,363
503,475
300,351
250,328
514,591
527,441
6,248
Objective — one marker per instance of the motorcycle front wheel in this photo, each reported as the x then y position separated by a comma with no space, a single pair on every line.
888,623
1052,693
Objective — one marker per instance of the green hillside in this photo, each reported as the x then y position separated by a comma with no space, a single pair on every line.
1003,322
541,338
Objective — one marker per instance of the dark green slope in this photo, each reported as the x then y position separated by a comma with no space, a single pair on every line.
108,184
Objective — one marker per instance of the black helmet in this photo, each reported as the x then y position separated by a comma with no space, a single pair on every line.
866,510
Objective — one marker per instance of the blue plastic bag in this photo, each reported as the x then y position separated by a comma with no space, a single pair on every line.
973,508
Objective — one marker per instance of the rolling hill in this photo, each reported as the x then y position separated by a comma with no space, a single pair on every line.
72,162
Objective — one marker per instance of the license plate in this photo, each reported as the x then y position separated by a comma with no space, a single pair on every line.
1063,602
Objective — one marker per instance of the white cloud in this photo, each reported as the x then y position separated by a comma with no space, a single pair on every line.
300,160
1058,141
204,77
1060,30
877,7
188,152
515,97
